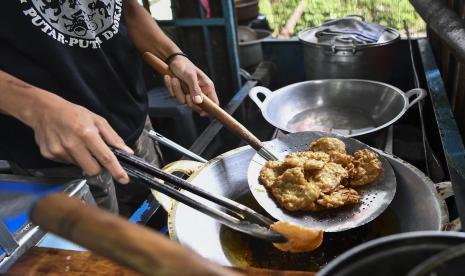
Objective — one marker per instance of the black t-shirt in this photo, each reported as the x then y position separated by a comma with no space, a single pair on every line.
79,50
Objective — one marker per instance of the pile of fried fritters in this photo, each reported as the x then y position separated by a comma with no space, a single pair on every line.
322,177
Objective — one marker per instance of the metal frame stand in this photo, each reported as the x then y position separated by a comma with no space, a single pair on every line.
16,244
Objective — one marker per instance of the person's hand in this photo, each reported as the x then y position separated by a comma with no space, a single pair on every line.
70,133
196,80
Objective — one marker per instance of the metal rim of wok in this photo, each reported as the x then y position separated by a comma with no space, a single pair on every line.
374,197
287,90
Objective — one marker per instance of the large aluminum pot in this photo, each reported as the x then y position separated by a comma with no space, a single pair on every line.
416,206
348,107
345,57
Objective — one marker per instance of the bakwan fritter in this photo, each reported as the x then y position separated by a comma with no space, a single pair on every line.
299,239
367,168
322,177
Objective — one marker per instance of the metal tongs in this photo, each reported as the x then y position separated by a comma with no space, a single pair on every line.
235,216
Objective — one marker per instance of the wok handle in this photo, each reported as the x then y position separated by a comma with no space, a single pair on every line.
187,167
209,106
420,94
444,189
254,92
135,246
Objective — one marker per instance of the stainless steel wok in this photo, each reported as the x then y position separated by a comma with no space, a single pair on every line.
348,107
416,206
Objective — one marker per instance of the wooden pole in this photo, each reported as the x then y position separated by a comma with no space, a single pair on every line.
132,245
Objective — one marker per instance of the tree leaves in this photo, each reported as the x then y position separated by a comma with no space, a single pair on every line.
385,12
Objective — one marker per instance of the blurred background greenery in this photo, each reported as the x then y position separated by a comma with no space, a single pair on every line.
385,12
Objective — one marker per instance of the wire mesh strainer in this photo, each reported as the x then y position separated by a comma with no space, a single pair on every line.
374,197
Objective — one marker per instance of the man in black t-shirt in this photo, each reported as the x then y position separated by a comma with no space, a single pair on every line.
71,84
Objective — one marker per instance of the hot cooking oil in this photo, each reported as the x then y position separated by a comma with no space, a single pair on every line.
243,250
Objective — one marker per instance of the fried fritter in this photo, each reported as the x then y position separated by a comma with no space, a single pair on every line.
306,155
307,159
328,145
338,198
320,178
367,168
294,192
330,177
299,239
270,172
309,164
342,159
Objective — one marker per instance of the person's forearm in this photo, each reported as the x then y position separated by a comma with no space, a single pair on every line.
20,99
148,37
145,33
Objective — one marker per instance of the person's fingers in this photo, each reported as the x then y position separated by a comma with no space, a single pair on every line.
204,114
168,85
189,101
208,87
209,91
40,141
84,159
52,148
177,89
105,156
194,88
59,153
111,137
54,154
193,106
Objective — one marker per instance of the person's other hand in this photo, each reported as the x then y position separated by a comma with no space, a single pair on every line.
196,80
69,133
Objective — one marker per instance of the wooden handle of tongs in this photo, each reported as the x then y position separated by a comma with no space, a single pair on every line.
132,245
208,106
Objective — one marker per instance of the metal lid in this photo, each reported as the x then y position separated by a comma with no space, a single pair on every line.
249,36
349,32
246,34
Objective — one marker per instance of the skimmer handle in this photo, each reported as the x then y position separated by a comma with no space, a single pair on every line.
209,106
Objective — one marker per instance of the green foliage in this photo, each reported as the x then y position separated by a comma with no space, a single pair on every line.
385,12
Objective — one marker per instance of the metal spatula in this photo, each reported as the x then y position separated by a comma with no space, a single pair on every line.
375,197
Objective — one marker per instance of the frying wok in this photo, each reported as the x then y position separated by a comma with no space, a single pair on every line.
348,107
227,175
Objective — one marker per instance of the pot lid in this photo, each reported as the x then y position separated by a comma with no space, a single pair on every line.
349,31
246,34
249,36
